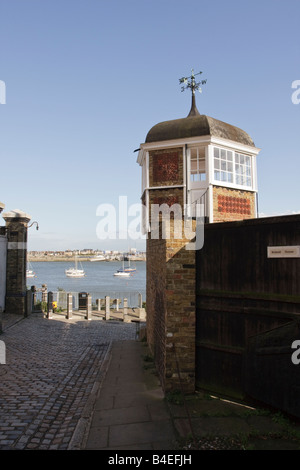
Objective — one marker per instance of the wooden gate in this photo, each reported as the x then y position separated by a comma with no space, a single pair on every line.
247,311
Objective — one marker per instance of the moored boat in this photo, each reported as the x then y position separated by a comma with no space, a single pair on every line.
75,272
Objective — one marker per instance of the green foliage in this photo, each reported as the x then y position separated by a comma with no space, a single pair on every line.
41,306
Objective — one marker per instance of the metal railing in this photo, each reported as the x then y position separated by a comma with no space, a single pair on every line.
199,208
61,297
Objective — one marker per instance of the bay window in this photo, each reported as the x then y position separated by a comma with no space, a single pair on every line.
232,167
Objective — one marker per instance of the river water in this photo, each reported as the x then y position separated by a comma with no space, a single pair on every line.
99,280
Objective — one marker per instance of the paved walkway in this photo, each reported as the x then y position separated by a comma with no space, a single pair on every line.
89,385
51,377
130,411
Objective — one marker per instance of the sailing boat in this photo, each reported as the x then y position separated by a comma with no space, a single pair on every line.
122,272
29,271
75,272
128,269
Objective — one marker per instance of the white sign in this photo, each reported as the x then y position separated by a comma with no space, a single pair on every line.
283,251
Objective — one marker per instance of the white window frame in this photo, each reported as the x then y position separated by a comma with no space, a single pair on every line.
201,182
231,169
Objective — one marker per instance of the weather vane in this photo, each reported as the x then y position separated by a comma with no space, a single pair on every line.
190,82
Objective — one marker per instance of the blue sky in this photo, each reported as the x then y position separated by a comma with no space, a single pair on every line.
87,79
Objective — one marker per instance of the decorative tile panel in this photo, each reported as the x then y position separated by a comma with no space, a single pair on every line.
166,168
235,205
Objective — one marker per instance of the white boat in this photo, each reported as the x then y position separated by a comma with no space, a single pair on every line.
29,271
75,272
122,272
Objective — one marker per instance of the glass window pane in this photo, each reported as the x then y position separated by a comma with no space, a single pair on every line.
193,165
194,153
217,163
197,164
201,166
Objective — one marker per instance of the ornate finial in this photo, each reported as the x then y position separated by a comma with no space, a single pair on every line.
190,82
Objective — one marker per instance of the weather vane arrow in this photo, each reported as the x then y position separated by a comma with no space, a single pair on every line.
190,82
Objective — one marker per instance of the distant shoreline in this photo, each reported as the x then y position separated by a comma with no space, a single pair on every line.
57,259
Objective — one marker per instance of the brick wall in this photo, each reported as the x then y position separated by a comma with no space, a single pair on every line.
156,304
16,226
171,310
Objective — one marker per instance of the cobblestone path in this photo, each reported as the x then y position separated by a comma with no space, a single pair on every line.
51,368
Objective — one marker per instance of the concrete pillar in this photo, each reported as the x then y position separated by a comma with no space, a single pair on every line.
142,314
140,301
125,311
50,305
44,292
98,303
89,307
33,294
69,306
107,308
117,305
16,228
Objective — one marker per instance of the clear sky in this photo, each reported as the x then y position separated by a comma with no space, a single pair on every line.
87,79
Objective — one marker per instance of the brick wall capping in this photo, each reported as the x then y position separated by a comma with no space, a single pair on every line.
16,215
195,126
284,219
